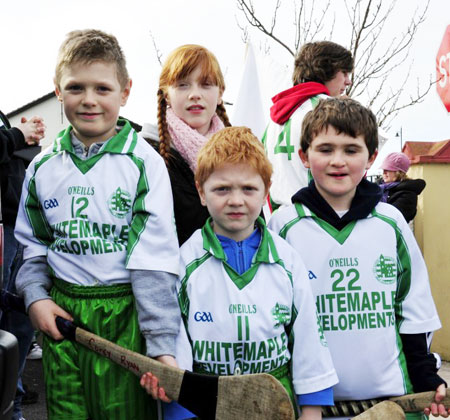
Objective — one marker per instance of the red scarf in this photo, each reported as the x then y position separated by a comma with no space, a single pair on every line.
286,102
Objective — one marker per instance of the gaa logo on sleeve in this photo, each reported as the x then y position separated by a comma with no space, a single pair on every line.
119,203
385,269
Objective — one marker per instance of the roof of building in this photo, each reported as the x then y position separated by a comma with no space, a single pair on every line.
428,151
31,104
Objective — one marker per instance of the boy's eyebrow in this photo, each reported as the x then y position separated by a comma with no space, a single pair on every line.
345,144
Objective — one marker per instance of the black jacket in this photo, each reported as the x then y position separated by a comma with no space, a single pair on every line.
190,215
421,364
12,170
15,155
404,196
366,198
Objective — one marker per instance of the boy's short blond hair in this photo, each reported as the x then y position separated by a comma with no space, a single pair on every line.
88,46
346,116
233,145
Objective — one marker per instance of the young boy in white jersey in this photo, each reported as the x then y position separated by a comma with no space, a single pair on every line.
365,268
244,294
100,244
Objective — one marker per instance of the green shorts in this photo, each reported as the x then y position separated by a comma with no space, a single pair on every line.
81,384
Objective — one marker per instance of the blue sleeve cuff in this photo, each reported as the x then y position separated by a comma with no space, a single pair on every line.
175,411
324,397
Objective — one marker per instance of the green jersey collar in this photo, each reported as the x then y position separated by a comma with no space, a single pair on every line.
123,142
339,235
266,252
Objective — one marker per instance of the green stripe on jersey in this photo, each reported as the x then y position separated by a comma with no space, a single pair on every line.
339,235
315,101
403,267
140,216
407,385
33,208
301,213
183,299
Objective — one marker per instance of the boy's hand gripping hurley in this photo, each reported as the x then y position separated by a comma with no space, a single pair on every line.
253,397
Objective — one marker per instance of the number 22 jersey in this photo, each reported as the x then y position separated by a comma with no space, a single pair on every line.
370,284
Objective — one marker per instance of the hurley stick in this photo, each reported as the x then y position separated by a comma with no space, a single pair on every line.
409,403
382,411
256,396
251,397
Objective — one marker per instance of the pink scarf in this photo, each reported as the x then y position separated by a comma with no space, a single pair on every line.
187,140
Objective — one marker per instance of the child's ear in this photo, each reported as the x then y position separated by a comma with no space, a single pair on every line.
201,193
268,189
126,93
219,99
372,159
58,93
304,158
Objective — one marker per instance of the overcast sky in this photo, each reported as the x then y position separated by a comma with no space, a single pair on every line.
32,30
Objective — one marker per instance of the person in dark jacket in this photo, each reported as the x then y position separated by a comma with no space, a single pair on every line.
398,189
15,154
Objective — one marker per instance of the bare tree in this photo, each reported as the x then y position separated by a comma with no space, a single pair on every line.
378,60
157,50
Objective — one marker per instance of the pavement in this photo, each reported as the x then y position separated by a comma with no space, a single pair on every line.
33,377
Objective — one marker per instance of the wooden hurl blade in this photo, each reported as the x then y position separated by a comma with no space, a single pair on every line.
418,402
253,397
409,403
382,411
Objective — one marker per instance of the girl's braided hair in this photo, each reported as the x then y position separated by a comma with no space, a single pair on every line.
179,64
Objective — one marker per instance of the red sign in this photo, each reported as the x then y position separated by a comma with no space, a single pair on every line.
443,69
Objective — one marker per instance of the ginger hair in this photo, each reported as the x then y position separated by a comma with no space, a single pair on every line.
179,64
320,61
88,46
346,116
233,145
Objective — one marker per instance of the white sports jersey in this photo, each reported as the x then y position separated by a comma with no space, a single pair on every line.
371,283
254,322
282,143
93,219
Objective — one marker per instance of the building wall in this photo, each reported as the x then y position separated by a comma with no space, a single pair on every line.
50,110
432,231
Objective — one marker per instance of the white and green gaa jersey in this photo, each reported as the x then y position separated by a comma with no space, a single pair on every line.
93,219
250,323
370,283
282,143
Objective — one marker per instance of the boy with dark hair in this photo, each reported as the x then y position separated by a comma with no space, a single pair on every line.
100,244
244,295
321,69
369,277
